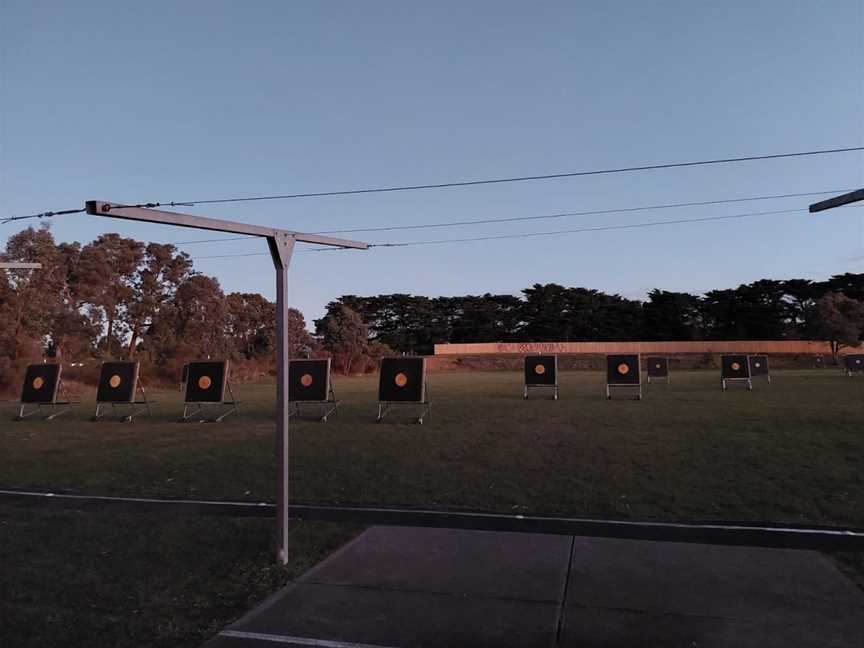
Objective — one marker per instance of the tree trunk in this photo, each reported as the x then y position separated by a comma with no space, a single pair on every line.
133,340
110,337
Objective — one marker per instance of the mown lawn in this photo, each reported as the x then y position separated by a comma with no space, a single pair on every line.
792,451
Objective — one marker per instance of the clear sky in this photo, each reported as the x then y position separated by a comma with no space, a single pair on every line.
159,101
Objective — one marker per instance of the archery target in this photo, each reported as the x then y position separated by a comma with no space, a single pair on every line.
758,365
402,379
658,367
734,366
541,370
117,382
309,380
855,362
206,381
41,382
622,369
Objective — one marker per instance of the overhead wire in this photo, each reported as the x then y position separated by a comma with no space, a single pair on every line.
527,178
47,214
599,228
515,219
465,183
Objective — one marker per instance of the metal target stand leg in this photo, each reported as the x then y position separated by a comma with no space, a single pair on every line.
334,409
330,407
528,388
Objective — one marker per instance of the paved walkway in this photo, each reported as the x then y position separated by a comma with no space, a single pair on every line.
436,587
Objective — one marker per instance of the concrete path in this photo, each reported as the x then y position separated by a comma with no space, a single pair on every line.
398,587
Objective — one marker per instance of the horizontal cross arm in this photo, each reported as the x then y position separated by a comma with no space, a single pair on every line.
148,215
837,201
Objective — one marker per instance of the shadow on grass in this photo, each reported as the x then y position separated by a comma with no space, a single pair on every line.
77,578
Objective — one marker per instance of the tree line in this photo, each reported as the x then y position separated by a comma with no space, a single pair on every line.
116,297
793,309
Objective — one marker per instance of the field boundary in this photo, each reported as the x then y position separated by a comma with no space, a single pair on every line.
787,536
664,347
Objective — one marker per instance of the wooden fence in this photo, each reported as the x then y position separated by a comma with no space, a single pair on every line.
660,348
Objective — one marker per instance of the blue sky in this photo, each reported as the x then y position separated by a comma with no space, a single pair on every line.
160,101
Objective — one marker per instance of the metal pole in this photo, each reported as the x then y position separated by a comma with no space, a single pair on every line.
281,248
281,243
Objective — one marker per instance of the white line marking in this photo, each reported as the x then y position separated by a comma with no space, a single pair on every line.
302,641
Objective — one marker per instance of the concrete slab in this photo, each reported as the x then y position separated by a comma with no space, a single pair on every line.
520,566
398,618
709,580
435,587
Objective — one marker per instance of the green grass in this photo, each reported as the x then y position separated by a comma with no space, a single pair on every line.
792,451
88,579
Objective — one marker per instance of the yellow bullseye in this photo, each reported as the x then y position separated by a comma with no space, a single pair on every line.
115,381
204,382
623,369
539,369
735,366
306,380
401,380
38,382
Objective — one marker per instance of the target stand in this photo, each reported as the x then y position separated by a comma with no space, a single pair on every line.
759,367
854,364
541,374
624,375
658,369
43,387
119,384
402,381
735,369
206,385
309,383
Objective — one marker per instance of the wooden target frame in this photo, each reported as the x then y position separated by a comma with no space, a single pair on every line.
59,401
532,362
731,359
854,364
755,361
135,405
655,374
402,367
328,405
615,365
195,407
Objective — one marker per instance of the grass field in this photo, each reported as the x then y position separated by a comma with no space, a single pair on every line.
791,451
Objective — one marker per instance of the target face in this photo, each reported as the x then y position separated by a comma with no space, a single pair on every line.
309,380
541,370
41,382
735,366
623,369
759,365
855,362
206,381
658,367
402,379
117,382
